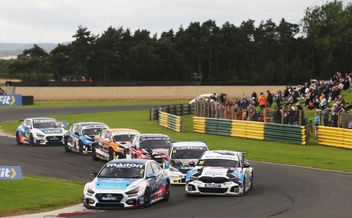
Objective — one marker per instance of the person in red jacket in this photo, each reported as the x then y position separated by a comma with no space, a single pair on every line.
262,100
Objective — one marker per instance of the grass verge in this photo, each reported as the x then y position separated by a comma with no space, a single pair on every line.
36,194
277,152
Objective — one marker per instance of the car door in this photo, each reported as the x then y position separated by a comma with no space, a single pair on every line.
158,177
27,128
152,180
75,136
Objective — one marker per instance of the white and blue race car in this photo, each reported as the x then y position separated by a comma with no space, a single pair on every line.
41,131
80,137
220,173
183,157
127,183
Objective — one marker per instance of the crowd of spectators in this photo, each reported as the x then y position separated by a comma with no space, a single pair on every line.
287,106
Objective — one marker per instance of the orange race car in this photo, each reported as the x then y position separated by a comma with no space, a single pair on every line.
113,144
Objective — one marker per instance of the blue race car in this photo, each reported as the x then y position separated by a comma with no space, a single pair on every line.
81,136
127,183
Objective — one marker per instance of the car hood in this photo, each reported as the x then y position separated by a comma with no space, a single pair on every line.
51,130
219,172
160,151
115,184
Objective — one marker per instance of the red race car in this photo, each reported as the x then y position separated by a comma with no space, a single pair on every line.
151,146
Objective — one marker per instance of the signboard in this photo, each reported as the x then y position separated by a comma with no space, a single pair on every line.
11,173
10,100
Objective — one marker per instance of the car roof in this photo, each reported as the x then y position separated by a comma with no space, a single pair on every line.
40,118
90,123
221,154
123,131
154,135
131,161
189,143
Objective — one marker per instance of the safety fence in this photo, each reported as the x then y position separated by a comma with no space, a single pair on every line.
250,130
175,109
336,137
170,121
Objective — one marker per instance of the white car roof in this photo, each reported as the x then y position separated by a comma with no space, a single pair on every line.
40,118
221,154
189,143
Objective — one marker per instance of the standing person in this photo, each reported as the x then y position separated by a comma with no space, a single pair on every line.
326,114
350,124
269,98
262,100
316,123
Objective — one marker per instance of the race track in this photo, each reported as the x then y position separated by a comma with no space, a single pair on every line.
280,191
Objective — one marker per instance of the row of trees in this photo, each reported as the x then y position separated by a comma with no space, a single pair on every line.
268,52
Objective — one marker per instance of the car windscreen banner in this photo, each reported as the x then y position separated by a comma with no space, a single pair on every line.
10,100
11,173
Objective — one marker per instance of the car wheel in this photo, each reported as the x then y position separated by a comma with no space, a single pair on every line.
18,141
111,154
80,147
167,192
146,198
31,140
252,184
67,149
94,154
244,187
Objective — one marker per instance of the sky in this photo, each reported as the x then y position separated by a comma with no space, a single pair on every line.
55,21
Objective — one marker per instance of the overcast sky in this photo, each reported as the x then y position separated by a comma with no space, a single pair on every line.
56,20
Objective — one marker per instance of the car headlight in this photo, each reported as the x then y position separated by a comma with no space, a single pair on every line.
236,180
192,178
133,191
90,192
40,135
144,156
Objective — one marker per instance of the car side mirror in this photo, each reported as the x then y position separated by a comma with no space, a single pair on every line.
246,165
192,164
151,176
77,133
94,174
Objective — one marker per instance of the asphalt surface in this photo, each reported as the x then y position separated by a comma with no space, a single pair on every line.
280,191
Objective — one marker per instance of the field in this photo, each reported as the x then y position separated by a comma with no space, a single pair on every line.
34,194
277,152
137,93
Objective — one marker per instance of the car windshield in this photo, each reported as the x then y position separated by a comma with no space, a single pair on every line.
91,132
187,153
218,163
122,170
45,124
123,138
155,144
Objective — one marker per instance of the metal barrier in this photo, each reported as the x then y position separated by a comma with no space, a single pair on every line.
170,121
336,137
251,130
175,109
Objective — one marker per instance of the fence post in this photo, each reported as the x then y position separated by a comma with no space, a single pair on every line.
282,117
300,118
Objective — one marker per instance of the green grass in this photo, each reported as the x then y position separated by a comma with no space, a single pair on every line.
34,194
277,152
98,103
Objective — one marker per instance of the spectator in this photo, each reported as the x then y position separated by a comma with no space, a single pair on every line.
350,124
2,92
269,98
326,114
316,122
262,100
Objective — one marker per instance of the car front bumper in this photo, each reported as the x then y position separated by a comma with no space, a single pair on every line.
223,189
112,200
49,140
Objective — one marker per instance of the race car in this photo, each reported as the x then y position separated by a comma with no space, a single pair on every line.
220,173
127,183
183,157
81,136
41,131
113,143
151,146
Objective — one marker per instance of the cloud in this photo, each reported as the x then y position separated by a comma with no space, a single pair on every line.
57,20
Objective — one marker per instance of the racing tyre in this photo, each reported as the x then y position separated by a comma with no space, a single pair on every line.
244,187
18,141
146,198
31,140
67,149
252,184
167,192
94,154
111,154
80,147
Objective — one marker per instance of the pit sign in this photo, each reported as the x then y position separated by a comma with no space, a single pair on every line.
11,173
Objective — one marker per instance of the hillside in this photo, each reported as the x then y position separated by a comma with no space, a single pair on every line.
7,49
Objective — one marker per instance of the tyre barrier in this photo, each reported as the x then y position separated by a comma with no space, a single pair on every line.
336,137
250,130
170,121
